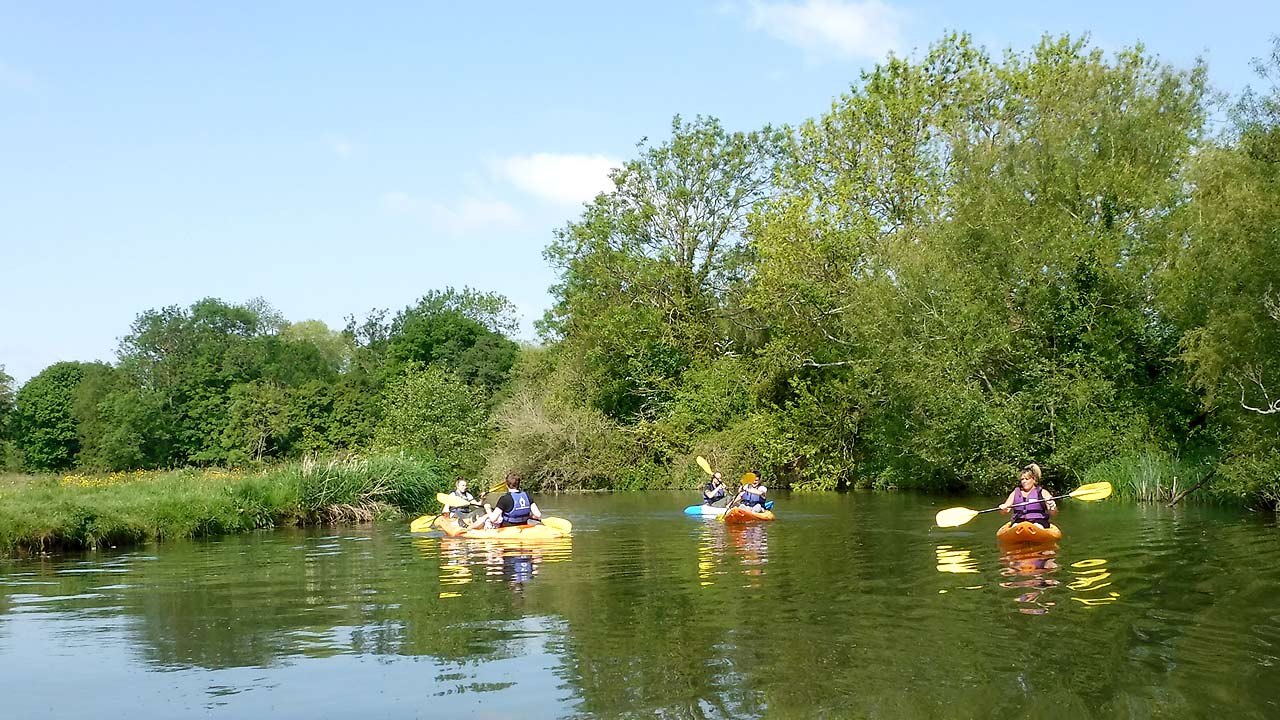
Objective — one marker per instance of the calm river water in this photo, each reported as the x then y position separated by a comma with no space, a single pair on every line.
847,606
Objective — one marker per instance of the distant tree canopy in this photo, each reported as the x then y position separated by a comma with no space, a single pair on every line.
221,383
967,263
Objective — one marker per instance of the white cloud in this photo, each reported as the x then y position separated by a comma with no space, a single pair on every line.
832,28
561,178
459,217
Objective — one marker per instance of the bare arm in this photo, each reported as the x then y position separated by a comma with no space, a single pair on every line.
534,511
1049,503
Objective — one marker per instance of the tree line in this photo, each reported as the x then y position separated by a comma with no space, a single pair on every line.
967,263
231,384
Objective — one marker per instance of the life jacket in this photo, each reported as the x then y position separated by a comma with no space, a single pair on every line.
1035,512
717,492
749,498
458,512
519,514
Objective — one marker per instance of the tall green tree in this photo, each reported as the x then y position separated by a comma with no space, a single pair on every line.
428,409
8,451
48,426
1219,285
652,273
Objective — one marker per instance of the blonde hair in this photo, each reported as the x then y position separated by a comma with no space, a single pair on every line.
1034,469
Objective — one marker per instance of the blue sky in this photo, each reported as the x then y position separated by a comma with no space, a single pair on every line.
333,158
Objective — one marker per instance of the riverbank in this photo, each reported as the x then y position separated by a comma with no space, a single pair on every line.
79,511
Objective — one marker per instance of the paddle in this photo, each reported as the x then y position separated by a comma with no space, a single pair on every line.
956,516
560,524
424,523
746,480
706,467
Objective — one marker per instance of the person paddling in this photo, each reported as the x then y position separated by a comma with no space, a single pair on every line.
714,491
752,494
515,507
460,491
1040,505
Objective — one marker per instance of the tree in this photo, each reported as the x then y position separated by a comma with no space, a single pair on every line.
427,408
651,273
8,452
48,432
1219,286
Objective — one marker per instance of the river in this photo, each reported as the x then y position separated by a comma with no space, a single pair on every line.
846,606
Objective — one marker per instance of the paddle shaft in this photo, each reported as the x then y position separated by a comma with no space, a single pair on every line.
1028,502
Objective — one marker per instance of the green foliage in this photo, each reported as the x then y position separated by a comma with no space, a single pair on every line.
653,271
428,409
10,460
53,407
86,512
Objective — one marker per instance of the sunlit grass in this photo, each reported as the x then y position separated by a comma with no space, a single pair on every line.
76,510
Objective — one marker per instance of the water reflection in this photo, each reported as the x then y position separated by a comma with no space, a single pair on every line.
956,560
751,540
1091,580
711,546
1029,569
463,560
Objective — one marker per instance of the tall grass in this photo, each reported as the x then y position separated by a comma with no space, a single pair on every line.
87,511
1150,476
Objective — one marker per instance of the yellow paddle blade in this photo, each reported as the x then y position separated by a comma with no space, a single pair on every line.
423,524
953,517
451,500
706,466
748,478
560,524
1092,491
502,485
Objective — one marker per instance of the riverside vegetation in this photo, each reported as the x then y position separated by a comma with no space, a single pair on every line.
968,262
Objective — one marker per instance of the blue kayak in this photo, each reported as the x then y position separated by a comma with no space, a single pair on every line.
711,510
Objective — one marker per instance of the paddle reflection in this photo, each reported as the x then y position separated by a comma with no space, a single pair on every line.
956,560
1092,577
1029,569
711,546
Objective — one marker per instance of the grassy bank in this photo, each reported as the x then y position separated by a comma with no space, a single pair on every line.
93,511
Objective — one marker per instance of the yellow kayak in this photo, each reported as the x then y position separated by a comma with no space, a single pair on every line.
450,527
741,514
1028,532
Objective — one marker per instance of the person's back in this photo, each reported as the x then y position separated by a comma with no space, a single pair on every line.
516,507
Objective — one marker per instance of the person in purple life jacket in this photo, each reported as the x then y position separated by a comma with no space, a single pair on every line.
1029,489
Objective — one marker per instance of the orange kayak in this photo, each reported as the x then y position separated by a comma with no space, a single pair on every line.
450,527
741,514
1028,532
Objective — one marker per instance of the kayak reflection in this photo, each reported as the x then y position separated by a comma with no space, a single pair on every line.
752,543
464,560
1029,569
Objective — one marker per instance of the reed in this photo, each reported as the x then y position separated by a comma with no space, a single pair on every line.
75,511
1150,476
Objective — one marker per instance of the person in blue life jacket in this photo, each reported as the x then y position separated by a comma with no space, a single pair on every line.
515,507
1042,507
714,492
752,494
